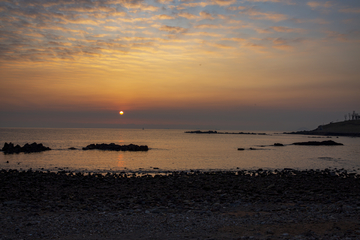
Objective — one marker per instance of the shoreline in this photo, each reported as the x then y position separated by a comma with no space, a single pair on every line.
283,204
154,171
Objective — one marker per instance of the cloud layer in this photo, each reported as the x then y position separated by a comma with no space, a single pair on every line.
65,29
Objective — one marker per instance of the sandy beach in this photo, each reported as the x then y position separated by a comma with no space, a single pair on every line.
284,204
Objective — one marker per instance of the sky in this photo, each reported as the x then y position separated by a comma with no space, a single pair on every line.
191,64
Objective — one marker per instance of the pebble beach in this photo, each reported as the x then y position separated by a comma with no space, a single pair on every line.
259,204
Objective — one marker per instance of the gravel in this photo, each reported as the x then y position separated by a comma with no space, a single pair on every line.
285,204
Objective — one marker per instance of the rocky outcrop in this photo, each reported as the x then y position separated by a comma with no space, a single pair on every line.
207,132
9,148
216,132
278,144
115,147
345,128
315,143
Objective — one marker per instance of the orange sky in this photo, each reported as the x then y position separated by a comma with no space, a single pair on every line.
260,64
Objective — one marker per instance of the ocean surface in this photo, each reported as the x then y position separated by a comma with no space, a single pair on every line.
174,150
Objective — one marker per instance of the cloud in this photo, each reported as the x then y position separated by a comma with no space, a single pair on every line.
143,7
256,47
285,41
286,29
203,34
85,21
284,47
164,1
202,15
187,15
217,45
290,2
223,2
96,25
234,39
100,35
351,36
191,5
85,9
116,14
206,15
207,26
256,14
260,30
234,8
314,5
350,10
163,17
132,20
316,21
171,29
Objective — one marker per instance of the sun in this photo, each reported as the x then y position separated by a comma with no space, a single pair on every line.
121,112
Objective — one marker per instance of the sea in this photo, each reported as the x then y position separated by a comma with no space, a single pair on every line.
174,150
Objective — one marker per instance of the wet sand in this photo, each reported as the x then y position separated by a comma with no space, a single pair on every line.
286,204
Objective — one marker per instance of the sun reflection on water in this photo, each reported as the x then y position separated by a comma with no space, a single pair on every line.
121,162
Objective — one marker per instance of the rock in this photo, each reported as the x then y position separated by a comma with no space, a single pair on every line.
9,148
177,204
198,131
288,169
278,144
115,147
316,143
241,149
216,132
72,148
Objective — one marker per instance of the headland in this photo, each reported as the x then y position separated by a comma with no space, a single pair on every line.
345,128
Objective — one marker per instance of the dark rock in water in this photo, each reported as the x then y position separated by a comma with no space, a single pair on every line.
241,149
278,144
315,143
198,131
115,147
72,148
216,132
9,148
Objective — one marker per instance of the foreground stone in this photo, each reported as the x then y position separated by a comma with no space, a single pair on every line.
9,148
115,147
261,204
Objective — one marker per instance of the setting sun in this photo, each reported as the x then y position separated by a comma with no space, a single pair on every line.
121,112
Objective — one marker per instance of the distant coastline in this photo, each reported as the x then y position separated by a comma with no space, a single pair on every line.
349,128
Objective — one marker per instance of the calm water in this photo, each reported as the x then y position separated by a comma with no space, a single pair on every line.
173,150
